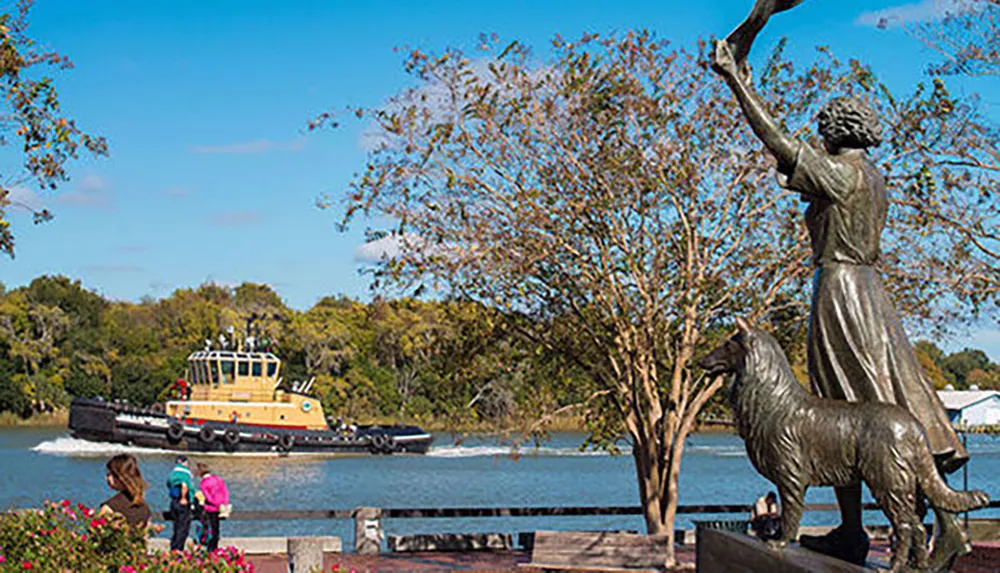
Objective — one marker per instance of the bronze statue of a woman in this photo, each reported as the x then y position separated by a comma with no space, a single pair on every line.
857,348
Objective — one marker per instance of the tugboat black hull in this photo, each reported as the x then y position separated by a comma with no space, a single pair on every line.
100,421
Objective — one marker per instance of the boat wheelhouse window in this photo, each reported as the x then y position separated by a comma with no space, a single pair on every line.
256,368
213,370
192,374
227,371
203,372
272,369
244,368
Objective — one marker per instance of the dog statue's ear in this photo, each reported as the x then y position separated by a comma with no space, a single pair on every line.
742,325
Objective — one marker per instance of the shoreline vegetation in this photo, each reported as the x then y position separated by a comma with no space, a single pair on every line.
445,365
60,419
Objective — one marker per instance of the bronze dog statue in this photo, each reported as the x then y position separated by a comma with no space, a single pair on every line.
796,440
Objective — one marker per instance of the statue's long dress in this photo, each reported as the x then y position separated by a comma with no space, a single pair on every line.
857,348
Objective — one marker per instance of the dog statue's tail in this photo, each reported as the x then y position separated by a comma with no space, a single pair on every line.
943,497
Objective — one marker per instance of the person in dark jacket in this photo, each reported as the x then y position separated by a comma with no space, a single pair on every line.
124,477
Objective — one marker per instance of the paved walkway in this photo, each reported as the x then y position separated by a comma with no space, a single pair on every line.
984,559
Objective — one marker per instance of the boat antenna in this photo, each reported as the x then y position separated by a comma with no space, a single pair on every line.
308,386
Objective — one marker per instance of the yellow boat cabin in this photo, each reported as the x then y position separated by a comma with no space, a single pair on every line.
244,388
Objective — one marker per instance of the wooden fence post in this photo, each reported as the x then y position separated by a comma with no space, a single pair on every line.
368,530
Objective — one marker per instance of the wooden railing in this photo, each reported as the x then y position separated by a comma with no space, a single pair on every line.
284,514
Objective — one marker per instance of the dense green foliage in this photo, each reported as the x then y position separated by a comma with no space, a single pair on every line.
447,362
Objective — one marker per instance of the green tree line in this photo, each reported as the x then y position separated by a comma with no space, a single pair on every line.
444,362
450,363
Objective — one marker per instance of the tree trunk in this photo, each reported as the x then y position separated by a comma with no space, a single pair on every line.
655,494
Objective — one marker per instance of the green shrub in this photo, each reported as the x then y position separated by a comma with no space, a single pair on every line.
62,537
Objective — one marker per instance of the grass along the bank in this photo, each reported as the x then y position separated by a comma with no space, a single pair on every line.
57,418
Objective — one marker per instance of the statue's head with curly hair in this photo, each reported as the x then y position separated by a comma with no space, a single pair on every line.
846,122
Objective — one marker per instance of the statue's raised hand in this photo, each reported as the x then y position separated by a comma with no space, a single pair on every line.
723,61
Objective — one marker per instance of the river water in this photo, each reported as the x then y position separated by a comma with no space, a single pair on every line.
39,464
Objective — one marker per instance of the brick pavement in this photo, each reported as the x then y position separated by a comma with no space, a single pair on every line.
984,559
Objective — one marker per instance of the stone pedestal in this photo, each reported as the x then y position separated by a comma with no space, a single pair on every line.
368,530
305,554
725,552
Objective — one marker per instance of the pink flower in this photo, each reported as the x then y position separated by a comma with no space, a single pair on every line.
87,512
336,567
3,559
65,503
26,565
126,569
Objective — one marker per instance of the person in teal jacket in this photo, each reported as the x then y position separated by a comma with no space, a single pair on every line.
180,487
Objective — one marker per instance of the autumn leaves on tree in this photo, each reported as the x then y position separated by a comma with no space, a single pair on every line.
34,121
610,204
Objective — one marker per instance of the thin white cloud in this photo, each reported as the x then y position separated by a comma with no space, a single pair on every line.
92,191
374,251
437,98
80,199
393,245
19,197
923,11
93,184
251,147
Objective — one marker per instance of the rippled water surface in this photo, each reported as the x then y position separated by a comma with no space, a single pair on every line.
39,464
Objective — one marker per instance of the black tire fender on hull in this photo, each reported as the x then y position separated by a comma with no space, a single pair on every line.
206,435
231,437
175,432
382,444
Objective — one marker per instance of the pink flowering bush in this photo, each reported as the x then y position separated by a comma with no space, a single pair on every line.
64,538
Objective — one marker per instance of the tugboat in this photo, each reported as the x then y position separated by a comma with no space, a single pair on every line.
233,400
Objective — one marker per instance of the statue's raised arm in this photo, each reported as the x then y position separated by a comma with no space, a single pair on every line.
741,39
730,62
780,144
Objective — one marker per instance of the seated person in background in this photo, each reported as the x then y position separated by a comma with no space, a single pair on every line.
765,520
130,502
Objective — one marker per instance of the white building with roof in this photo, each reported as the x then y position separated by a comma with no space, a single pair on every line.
971,407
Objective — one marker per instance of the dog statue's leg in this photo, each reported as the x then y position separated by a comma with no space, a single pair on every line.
793,495
919,551
900,507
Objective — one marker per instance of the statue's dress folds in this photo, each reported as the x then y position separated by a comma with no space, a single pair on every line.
857,348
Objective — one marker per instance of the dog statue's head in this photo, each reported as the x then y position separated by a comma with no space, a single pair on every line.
754,356
731,356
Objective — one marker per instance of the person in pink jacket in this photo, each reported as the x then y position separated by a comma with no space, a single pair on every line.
216,500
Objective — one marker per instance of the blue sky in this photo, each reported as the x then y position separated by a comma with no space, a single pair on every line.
211,175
